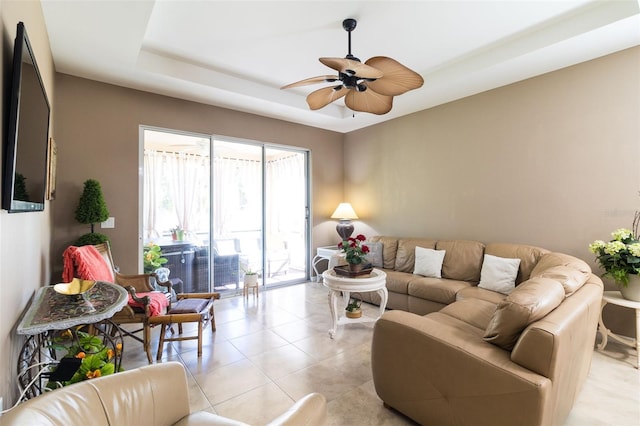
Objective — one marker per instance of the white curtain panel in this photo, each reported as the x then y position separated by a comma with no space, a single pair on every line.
152,163
186,173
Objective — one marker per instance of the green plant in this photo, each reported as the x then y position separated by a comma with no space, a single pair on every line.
248,271
91,239
354,249
97,358
152,257
353,305
619,257
91,209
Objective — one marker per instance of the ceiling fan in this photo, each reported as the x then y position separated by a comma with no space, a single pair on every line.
368,87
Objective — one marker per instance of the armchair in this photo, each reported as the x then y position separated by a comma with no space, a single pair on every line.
144,302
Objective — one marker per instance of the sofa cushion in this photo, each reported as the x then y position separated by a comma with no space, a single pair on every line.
528,255
529,302
405,256
398,282
463,260
570,278
571,281
428,262
475,292
499,274
476,312
436,289
389,250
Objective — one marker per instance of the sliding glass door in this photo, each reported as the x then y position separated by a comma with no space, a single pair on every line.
221,208
177,204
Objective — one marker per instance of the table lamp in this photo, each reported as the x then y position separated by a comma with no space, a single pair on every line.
345,213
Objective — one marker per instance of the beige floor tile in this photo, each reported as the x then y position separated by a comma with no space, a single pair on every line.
258,406
317,378
282,361
359,407
258,342
219,355
230,381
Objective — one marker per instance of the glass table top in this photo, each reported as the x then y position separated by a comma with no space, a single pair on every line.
50,310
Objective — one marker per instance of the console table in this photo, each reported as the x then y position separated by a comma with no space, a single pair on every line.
50,313
325,253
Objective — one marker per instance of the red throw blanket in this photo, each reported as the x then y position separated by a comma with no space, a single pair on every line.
158,304
85,263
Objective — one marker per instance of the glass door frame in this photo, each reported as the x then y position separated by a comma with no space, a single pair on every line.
307,199
264,146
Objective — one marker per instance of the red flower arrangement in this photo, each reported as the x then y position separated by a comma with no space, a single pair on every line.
355,249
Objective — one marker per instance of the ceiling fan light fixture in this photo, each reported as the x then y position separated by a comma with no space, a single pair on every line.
368,87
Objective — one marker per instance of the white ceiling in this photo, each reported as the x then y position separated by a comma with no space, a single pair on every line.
237,54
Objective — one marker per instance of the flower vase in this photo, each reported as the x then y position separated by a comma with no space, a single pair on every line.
632,290
355,267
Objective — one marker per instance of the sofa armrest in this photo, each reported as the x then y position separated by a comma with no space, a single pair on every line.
437,370
310,410
156,394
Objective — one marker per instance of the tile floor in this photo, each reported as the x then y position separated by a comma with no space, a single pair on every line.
269,352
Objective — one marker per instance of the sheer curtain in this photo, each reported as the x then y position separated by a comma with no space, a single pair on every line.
181,176
237,189
153,169
186,172
285,207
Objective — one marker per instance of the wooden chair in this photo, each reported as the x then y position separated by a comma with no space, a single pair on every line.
140,311
190,307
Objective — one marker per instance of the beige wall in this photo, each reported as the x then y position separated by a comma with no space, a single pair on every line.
552,161
97,138
24,237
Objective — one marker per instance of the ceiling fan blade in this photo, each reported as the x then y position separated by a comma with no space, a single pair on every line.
325,96
351,67
397,78
369,101
312,80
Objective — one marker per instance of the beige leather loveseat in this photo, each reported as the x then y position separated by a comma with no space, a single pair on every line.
153,395
453,353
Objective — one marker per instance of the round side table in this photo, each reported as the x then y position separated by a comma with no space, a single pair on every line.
341,287
615,298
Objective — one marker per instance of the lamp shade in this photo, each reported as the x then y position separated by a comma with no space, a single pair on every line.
344,211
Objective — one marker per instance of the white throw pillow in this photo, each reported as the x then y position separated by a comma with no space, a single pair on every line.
429,262
499,274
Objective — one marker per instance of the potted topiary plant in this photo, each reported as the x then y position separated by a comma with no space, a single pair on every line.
91,209
353,308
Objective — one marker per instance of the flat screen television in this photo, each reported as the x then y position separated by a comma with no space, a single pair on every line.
24,181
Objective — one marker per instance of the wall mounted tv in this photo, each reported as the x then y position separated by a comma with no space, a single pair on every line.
25,156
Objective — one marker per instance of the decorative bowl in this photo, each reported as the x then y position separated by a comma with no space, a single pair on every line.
75,287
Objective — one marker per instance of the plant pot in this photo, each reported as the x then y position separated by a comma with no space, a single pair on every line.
355,267
250,280
354,314
632,290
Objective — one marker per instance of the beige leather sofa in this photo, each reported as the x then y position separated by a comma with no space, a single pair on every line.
452,353
153,395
